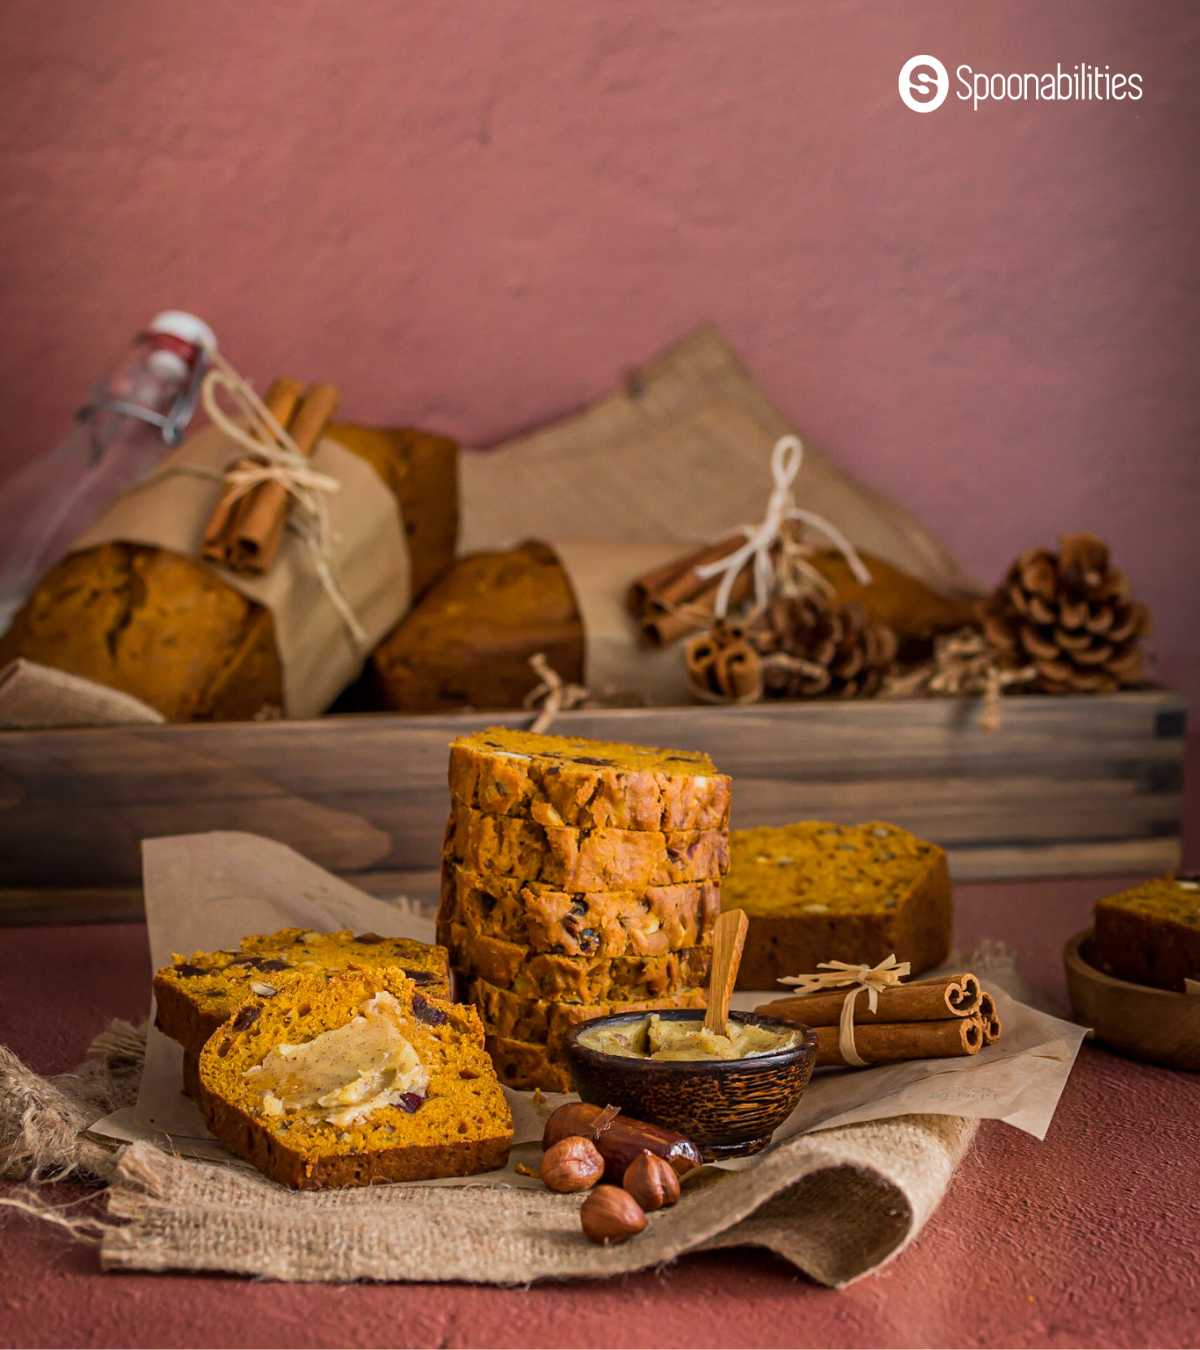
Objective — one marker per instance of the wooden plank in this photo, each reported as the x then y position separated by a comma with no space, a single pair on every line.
1100,858
1063,781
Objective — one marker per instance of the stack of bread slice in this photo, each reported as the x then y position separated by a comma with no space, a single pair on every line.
579,878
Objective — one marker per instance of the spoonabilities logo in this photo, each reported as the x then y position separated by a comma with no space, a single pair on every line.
924,83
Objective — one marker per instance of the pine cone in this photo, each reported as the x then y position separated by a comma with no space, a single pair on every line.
1071,617
811,647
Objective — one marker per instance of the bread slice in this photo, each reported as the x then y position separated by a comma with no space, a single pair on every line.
544,1022
1150,934
196,993
582,860
647,922
591,785
524,1065
576,979
817,892
351,1077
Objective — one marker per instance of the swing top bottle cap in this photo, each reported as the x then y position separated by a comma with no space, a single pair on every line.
184,326
192,336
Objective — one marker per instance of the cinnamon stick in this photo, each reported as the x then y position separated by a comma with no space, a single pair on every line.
281,399
258,527
992,1026
651,586
671,601
914,1001
893,1042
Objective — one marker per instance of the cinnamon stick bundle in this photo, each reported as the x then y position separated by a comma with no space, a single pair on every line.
281,399
893,1042
244,532
672,601
915,1001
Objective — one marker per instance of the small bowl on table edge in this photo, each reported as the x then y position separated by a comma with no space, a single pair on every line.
1156,1026
727,1107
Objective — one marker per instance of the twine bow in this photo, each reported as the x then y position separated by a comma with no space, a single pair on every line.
786,459
272,456
886,975
553,695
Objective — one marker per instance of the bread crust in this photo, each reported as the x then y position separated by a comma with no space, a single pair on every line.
588,785
469,640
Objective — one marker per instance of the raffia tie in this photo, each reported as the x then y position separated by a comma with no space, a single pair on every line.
871,979
273,457
786,459
553,695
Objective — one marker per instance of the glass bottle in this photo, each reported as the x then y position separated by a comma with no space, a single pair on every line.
120,436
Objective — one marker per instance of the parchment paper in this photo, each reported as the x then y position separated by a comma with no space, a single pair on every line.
208,890
368,557
34,696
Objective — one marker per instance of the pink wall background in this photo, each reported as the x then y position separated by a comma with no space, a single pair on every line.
474,215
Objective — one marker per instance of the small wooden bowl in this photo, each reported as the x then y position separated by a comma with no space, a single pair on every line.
1154,1025
728,1107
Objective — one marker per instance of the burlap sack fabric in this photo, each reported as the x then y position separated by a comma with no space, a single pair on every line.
836,1204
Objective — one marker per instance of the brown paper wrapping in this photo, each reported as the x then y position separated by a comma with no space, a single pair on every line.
682,450
619,665
368,558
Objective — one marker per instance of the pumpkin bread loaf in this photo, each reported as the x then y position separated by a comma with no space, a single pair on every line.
816,892
168,630
571,979
469,641
195,994
353,1077
647,922
1151,933
590,785
582,860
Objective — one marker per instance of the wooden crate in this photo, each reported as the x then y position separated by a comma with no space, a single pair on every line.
1067,786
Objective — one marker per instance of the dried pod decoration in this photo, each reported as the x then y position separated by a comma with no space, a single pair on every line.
1070,615
813,647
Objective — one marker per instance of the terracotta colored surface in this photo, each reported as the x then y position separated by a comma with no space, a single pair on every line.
475,215
1087,1239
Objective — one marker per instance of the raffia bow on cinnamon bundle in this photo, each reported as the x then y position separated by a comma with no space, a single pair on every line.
939,1018
247,523
799,639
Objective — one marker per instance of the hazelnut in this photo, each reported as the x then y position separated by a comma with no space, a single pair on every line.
652,1181
611,1215
573,1164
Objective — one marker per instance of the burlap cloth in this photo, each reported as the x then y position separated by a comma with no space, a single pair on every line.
837,1204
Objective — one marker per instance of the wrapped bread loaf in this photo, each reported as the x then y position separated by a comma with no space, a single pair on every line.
169,630
468,642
